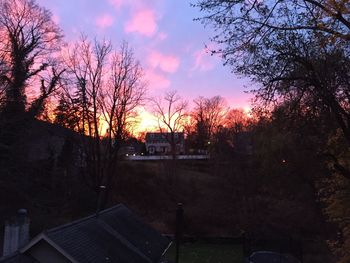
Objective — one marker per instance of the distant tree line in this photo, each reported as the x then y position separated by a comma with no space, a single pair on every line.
203,123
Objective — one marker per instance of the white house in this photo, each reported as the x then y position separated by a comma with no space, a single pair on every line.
159,143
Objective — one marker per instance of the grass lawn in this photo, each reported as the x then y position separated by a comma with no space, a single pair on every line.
207,253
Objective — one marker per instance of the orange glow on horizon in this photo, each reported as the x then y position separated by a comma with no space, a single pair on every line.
147,122
144,122
248,111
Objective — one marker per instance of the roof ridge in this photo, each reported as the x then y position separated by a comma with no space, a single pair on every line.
75,222
122,239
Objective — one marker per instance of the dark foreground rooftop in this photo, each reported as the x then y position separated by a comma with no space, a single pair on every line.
115,235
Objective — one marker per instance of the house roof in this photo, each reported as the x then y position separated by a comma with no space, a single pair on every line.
163,136
115,235
18,258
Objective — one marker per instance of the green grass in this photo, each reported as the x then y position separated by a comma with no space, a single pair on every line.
207,253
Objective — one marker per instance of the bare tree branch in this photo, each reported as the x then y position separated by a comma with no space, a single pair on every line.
171,113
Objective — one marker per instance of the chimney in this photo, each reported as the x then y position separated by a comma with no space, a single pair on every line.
16,233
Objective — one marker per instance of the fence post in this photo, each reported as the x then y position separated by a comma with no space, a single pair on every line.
178,232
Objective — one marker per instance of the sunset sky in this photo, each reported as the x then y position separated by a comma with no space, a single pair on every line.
165,39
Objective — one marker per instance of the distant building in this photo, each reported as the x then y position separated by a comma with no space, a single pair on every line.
114,235
159,143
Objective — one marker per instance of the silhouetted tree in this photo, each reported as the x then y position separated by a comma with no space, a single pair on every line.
102,106
298,53
171,114
67,113
208,115
29,37
237,120
292,63
241,25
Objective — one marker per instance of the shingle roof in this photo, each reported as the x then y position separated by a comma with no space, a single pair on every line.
115,235
18,258
144,238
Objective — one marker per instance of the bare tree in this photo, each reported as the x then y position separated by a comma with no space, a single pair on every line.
124,92
208,115
108,89
171,113
243,25
87,65
3,72
28,38
298,51
236,120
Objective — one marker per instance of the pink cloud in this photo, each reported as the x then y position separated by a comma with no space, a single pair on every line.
203,61
116,3
155,80
133,5
143,22
167,63
104,21
162,36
